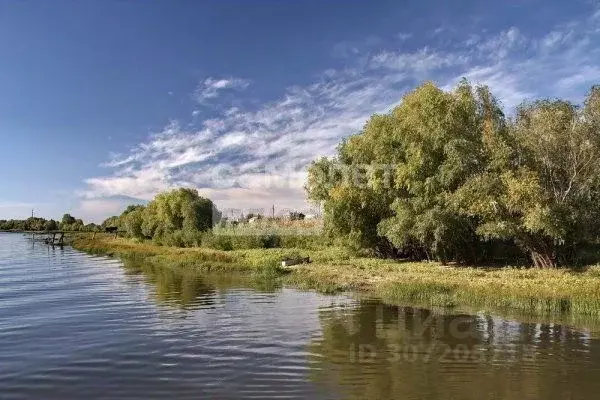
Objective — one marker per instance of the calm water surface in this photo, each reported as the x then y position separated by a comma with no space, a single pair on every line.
74,326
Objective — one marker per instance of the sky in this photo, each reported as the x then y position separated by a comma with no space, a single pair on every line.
106,103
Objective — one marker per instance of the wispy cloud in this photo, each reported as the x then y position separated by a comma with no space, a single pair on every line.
256,157
210,88
500,46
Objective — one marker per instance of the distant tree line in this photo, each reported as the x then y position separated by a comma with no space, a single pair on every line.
67,223
446,175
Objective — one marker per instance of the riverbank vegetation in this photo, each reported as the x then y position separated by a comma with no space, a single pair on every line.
335,269
182,218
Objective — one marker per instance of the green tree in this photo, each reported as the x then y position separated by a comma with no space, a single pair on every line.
447,176
543,190
70,223
91,227
51,225
178,213
354,188
131,208
441,134
393,182
132,220
111,222
67,219
35,224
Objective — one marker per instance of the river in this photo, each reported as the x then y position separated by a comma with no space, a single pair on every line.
76,326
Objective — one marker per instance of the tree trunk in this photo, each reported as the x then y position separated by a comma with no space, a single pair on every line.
541,251
543,259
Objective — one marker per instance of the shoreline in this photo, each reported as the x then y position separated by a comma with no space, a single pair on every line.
535,292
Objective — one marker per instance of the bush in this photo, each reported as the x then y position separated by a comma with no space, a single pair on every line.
219,242
305,241
270,241
262,241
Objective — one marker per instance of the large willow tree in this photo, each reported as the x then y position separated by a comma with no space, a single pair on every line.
445,172
541,187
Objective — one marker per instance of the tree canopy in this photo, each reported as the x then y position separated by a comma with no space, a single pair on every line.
174,217
446,175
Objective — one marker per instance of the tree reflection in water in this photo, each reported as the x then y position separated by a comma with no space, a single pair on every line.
191,289
182,288
368,350
374,351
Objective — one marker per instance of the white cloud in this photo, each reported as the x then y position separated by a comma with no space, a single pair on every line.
441,29
212,87
504,84
256,157
555,38
587,74
500,46
232,139
136,183
421,62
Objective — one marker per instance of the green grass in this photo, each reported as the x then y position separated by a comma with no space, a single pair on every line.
199,258
430,284
334,269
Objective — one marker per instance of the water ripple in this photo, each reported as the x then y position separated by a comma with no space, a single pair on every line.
77,326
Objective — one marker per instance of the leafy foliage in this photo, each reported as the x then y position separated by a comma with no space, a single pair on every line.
176,217
447,176
545,194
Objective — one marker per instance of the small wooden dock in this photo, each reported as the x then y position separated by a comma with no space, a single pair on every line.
52,238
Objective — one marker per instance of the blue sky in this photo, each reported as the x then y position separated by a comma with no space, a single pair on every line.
103,103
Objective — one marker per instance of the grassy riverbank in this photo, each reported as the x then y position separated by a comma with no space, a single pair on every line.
429,284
